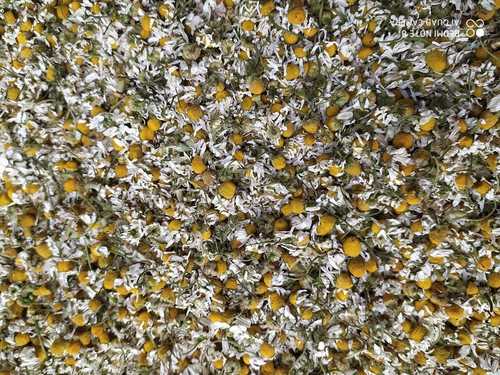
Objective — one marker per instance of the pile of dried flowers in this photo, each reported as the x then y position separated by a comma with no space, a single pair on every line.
245,186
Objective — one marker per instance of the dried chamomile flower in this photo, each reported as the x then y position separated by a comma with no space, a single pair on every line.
249,187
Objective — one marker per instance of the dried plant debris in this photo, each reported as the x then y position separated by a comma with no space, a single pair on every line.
249,187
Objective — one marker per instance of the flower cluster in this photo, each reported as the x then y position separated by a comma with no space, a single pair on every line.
248,187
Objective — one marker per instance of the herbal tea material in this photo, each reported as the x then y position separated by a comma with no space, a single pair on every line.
249,187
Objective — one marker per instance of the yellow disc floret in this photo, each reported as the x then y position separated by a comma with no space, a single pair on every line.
351,246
